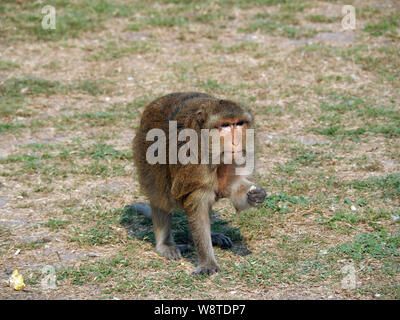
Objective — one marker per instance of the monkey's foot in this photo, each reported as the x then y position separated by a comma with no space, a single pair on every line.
206,270
221,240
169,251
184,248
256,196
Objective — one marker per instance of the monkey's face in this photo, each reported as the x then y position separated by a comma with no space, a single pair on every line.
228,141
232,137
228,124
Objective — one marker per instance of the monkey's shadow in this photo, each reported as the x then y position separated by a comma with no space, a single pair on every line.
141,227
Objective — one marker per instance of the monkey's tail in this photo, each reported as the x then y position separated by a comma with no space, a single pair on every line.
142,208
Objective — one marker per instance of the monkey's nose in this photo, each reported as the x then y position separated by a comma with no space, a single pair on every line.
236,136
236,140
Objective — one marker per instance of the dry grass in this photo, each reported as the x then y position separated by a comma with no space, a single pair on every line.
327,104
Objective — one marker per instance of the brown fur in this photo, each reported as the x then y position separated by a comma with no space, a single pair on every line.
192,187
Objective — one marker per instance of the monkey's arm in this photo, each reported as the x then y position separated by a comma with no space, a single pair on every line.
244,194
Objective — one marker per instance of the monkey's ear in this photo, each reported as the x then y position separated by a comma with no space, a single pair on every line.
201,117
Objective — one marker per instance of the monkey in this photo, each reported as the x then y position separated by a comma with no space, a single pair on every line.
193,187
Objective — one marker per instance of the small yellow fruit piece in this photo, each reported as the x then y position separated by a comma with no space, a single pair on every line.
16,280
253,187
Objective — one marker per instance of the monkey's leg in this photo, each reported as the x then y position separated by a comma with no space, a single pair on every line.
165,244
145,210
197,206
218,239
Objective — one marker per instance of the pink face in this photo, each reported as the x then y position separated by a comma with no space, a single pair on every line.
232,135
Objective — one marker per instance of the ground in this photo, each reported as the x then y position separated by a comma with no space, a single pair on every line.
327,108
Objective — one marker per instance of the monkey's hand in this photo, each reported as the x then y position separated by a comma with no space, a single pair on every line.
256,196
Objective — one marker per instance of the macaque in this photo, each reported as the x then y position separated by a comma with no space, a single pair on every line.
193,185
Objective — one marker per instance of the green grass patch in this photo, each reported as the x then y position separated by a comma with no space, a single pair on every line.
389,185
56,224
17,87
10,127
33,244
15,91
8,65
285,25
113,50
389,131
387,26
378,245
72,18
97,272
103,231
265,269
378,119
92,86
282,202
29,86
320,18
245,46
106,151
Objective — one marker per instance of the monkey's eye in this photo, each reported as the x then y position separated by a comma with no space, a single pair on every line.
224,125
240,123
